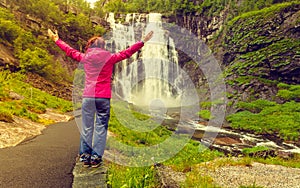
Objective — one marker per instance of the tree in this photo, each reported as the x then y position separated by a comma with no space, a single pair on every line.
24,41
115,6
98,8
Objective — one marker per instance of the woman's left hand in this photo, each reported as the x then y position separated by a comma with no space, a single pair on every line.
53,36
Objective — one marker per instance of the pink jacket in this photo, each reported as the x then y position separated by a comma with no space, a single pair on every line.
98,67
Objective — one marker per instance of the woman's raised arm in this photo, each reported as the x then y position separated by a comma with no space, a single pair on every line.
70,52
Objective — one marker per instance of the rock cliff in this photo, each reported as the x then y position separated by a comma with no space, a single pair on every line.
257,50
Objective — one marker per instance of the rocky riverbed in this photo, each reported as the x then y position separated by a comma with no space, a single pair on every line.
230,141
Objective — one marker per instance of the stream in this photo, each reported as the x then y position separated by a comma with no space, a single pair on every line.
234,141
231,141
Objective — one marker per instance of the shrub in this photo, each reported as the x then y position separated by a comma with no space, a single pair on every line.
255,106
35,60
205,114
288,92
24,41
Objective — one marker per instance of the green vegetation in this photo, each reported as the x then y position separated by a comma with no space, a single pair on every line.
30,45
264,116
9,29
264,11
194,179
206,7
187,158
255,63
122,176
122,117
205,114
288,92
30,101
269,117
294,162
258,56
255,149
145,176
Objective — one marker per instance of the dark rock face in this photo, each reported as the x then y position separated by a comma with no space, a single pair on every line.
262,50
205,27
254,50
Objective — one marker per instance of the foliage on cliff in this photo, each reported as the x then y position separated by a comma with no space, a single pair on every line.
261,50
261,61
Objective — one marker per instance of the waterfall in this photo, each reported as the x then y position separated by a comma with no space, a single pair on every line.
150,77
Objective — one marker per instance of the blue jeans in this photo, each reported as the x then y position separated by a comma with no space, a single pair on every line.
95,117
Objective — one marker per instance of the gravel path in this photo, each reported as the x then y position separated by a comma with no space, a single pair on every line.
235,176
260,175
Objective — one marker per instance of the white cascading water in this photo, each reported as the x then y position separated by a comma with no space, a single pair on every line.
153,76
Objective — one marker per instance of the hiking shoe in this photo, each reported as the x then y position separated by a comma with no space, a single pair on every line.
96,161
85,159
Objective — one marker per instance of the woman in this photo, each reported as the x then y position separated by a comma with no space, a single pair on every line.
98,67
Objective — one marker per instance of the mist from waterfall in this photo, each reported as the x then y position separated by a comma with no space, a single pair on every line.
152,77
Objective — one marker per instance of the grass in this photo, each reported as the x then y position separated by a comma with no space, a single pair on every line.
205,114
293,162
256,149
268,117
280,119
30,101
129,177
122,176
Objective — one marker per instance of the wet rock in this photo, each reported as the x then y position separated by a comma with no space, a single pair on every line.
263,154
226,141
285,154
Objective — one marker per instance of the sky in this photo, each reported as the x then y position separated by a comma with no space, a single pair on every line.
91,1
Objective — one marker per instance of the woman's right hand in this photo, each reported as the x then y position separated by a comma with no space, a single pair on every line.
52,35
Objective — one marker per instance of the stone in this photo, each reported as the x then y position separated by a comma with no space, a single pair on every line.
15,96
89,177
